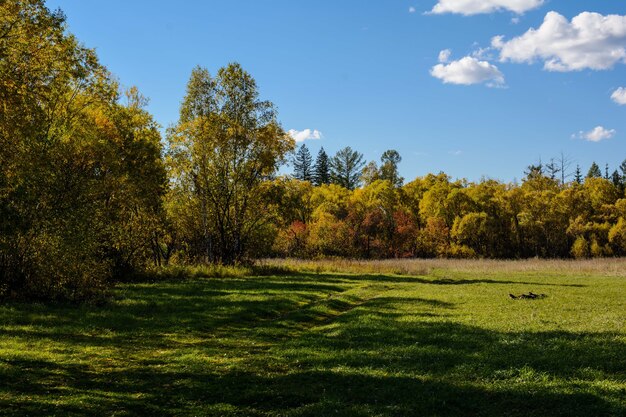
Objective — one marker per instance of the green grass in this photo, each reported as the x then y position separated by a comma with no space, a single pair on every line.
449,342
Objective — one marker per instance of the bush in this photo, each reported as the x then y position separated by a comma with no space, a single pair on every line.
580,248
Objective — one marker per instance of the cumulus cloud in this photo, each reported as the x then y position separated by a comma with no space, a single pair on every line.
306,134
589,41
412,9
467,71
619,96
596,134
471,7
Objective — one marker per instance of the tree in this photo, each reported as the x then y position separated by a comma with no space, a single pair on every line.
553,169
578,175
370,173
226,143
346,167
302,164
594,171
321,170
565,163
389,167
81,177
617,180
534,171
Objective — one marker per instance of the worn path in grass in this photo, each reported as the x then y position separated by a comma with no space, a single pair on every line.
447,344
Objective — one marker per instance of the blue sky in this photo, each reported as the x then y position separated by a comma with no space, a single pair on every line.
363,72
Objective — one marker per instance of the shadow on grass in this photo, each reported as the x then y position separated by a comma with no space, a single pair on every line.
342,277
299,347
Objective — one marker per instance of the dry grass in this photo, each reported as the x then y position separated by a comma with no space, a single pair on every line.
615,267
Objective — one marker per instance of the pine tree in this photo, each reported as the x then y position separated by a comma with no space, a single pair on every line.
578,175
594,171
346,168
606,171
389,167
321,173
302,164
617,179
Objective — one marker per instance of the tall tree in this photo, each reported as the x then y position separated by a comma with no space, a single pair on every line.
534,171
616,178
80,173
321,169
552,168
594,171
226,143
389,167
302,169
565,163
370,173
346,167
578,175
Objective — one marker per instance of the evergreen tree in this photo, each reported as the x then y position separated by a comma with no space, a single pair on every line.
578,175
346,168
534,171
616,178
321,173
389,167
302,169
594,171
606,171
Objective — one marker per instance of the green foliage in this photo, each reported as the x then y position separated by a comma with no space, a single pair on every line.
321,169
594,171
302,164
389,167
346,167
81,175
225,145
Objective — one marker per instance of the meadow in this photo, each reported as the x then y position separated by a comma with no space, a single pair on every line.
329,338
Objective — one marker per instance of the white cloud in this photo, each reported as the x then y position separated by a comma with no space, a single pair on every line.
455,153
468,71
589,41
596,134
412,9
471,7
515,20
619,96
306,134
444,56
484,54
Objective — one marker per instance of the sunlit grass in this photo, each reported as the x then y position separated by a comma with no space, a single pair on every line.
373,340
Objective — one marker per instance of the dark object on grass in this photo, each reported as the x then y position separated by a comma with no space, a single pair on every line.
530,296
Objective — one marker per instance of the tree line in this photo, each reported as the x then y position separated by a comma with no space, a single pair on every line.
91,193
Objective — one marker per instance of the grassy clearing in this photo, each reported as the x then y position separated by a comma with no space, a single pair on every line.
397,341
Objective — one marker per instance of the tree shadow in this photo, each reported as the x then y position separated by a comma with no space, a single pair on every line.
301,348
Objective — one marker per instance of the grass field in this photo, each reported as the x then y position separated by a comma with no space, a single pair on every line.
407,338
